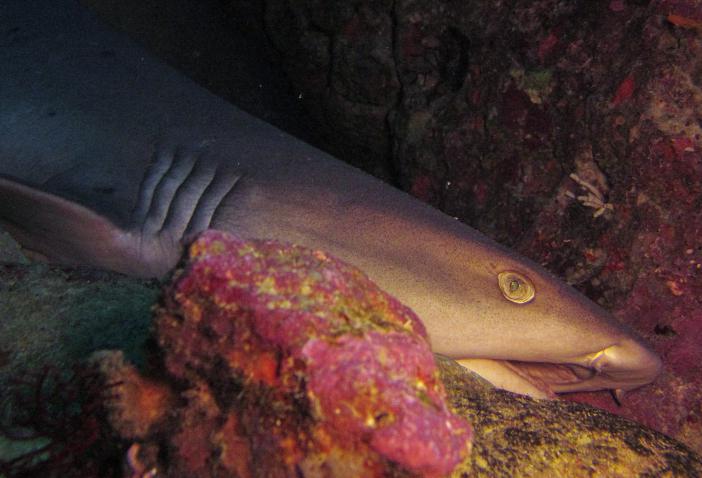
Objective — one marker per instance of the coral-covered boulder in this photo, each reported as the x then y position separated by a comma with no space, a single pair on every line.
281,360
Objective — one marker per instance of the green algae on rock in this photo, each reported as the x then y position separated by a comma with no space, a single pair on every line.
51,318
59,315
10,251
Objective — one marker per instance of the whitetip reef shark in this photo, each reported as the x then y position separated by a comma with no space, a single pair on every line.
111,158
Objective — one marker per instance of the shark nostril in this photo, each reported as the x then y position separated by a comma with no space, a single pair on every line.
516,287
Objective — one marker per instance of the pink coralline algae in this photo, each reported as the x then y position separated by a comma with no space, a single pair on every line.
286,361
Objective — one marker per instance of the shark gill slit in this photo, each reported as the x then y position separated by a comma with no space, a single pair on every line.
164,192
183,205
210,200
180,178
160,163
167,191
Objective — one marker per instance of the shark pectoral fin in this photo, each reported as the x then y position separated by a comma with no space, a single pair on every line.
60,230
178,198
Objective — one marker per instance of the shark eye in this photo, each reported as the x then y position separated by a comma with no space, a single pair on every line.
515,287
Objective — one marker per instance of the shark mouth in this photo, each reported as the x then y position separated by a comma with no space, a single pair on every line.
536,379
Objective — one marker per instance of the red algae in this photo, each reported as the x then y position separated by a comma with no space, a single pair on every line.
286,360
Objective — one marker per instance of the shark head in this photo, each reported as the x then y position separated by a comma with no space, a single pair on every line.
524,330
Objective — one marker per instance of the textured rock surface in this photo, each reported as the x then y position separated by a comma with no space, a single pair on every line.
57,316
50,319
287,360
487,110
518,436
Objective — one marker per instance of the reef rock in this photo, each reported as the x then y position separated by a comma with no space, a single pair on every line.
516,436
283,361
56,316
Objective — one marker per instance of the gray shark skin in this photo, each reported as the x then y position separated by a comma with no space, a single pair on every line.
110,158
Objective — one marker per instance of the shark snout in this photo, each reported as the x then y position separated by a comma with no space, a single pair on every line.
628,364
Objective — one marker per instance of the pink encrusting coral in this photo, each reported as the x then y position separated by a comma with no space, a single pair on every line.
402,421
288,360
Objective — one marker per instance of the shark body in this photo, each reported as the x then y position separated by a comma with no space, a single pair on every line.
111,158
